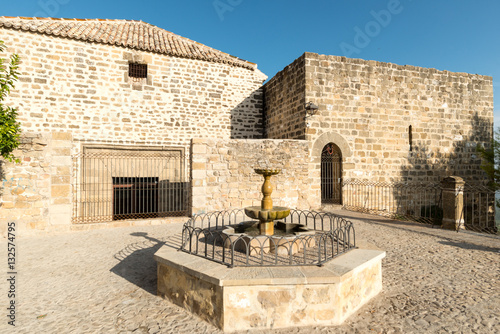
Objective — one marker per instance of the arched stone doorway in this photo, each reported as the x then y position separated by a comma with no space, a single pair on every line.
331,174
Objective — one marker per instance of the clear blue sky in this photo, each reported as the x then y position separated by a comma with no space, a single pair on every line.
454,35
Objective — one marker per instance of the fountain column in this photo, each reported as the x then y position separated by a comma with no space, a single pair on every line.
267,213
266,227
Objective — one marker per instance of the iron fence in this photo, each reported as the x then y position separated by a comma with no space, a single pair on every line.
113,184
422,202
419,201
479,208
328,236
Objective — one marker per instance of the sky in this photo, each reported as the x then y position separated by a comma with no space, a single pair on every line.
453,35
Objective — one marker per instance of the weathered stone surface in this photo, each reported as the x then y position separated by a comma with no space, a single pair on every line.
236,185
74,93
367,107
271,297
316,296
195,295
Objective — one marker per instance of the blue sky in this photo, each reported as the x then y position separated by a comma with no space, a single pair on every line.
454,35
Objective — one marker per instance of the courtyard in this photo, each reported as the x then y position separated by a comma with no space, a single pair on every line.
104,281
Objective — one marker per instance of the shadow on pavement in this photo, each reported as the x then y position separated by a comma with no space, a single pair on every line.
137,264
384,220
466,245
473,240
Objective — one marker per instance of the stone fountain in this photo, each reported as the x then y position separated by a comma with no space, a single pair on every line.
239,275
264,236
267,213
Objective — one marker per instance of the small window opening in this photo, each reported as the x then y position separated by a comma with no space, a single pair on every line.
410,138
137,70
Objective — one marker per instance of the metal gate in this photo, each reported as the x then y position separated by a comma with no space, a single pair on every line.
331,174
125,183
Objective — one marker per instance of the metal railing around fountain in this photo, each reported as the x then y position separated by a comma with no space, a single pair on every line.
329,236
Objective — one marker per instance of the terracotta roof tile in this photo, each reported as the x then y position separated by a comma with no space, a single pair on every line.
130,34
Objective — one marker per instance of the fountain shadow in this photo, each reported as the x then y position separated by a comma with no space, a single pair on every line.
136,262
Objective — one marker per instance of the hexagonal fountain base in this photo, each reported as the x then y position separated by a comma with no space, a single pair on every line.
270,297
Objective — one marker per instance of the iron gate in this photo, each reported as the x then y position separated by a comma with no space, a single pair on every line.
116,184
331,175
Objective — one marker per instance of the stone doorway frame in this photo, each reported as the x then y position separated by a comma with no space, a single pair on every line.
317,149
331,175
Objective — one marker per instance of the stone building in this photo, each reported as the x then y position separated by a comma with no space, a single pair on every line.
126,123
383,122
109,104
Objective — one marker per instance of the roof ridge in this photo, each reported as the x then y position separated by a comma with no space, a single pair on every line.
68,19
176,45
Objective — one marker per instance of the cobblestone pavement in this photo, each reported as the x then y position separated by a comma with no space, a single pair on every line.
104,281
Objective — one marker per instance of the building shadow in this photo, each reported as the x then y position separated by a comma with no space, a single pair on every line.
420,192
462,159
136,261
468,246
247,117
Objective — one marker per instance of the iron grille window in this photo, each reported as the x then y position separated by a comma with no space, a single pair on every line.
115,184
137,70
135,197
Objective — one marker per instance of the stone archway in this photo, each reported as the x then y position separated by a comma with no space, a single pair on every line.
324,139
330,179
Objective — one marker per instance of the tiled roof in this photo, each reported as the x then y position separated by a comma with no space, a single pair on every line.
130,34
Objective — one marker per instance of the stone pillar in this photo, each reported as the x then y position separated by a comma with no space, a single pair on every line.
453,202
198,176
60,208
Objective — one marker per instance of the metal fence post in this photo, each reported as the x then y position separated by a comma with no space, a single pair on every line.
453,202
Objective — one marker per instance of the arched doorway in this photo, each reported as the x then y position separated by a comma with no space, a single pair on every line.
331,174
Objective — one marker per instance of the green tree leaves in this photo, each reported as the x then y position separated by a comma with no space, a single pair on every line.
490,157
9,127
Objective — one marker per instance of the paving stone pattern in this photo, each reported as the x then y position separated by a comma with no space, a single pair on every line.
104,281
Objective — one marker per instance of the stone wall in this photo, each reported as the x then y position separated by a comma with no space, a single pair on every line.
80,91
367,108
253,298
83,88
223,174
284,101
36,193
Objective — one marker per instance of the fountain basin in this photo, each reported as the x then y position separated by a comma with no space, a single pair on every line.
288,238
277,212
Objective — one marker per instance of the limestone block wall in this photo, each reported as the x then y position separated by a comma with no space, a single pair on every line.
223,174
36,193
373,104
284,102
83,88
367,108
81,91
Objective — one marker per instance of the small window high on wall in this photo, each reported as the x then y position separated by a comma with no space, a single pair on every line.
138,71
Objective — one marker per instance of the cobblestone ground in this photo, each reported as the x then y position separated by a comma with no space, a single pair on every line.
104,281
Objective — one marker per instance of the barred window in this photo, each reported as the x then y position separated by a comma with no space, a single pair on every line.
129,183
136,70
